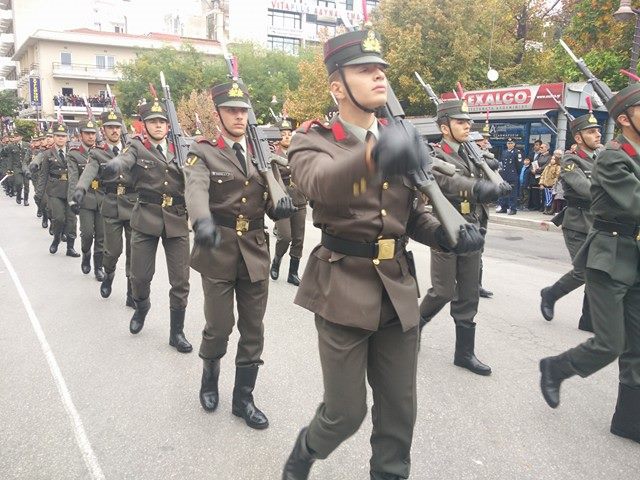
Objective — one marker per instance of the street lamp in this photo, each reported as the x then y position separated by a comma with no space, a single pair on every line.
625,13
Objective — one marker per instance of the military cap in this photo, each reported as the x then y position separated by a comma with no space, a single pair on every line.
583,122
88,126
457,109
59,129
353,48
149,111
110,117
286,124
510,140
230,94
625,98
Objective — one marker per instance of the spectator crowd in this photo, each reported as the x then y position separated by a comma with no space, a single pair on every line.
73,100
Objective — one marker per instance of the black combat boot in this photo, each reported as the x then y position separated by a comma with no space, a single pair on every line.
137,320
299,462
242,405
54,245
176,334
585,319
71,252
98,271
465,356
39,211
293,278
626,419
548,298
554,370
19,196
85,265
209,387
275,267
129,303
484,293
25,199
105,286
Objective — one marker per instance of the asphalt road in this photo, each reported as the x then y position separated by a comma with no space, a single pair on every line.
81,398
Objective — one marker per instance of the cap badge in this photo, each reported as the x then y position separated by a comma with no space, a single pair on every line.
464,107
89,124
112,116
592,119
286,124
371,43
61,128
156,106
50,130
235,91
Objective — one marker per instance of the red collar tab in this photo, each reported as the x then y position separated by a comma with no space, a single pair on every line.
383,121
220,143
338,131
172,148
582,154
446,148
629,150
147,144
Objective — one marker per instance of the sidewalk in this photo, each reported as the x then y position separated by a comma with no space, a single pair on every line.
533,220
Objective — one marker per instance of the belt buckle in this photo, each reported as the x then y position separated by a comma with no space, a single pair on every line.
95,184
120,190
242,225
167,201
63,176
386,249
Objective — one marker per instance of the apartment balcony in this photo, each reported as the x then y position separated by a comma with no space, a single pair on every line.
80,110
80,71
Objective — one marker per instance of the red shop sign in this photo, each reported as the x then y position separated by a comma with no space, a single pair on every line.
530,97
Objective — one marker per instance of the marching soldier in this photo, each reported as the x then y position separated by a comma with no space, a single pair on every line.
227,199
86,201
289,231
39,194
454,278
359,282
6,166
54,181
611,255
17,152
158,214
575,175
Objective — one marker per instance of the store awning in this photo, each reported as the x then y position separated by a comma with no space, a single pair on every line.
511,115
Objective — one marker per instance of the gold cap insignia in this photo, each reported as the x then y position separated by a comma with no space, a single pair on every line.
50,130
112,116
198,132
61,128
235,91
371,43
286,124
89,124
156,106
464,108
592,119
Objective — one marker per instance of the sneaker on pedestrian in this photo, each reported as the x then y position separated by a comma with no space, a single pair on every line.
499,209
511,212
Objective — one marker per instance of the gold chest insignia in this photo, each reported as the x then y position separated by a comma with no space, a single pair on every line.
371,43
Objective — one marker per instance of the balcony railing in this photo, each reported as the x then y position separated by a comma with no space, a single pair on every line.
84,71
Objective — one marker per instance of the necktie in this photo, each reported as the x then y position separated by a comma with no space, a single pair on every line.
240,156
115,150
61,153
159,147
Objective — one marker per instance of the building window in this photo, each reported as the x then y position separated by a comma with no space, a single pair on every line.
326,29
345,4
280,19
67,91
65,58
104,62
327,3
285,44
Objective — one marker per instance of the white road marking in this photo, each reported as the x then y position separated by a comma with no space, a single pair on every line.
89,457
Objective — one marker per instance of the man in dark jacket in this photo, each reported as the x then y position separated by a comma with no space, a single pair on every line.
510,163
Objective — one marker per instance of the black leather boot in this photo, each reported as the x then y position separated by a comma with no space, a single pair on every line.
243,405
585,319
484,293
137,320
275,267
293,278
25,198
626,419
129,303
54,245
209,387
300,460
98,271
45,219
39,211
465,356
19,196
176,334
107,282
71,252
85,265
554,370
548,298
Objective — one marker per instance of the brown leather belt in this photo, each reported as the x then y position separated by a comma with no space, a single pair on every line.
239,223
161,199
616,228
383,249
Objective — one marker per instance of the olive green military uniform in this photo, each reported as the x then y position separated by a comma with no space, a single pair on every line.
18,154
6,169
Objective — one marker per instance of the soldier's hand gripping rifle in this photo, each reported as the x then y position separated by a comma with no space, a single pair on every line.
116,108
92,119
175,134
601,88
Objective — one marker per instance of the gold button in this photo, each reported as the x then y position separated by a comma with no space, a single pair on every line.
167,170
121,176
244,200
376,261
472,175
385,185
239,233
246,182
383,212
219,181
166,183
240,216
288,167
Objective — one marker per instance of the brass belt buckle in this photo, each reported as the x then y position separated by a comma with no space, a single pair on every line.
120,190
63,176
95,184
242,225
386,249
167,201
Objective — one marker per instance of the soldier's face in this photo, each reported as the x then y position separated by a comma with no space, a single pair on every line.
113,132
157,128
589,138
457,129
49,142
368,84
234,120
88,138
510,145
60,140
285,138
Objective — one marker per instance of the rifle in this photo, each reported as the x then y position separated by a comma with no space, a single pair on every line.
562,108
602,89
92,119
175,132
471,149
255,138
116,108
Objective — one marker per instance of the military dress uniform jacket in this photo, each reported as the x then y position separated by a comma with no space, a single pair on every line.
54,179
510,164
158,181
615,197
78,159
299,200
217,185
328,165
575,175
120,196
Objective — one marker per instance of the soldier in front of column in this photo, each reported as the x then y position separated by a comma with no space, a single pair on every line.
159,214
359,282
86,203
611,255
54,182
117,203
227,199
17,153
575,175
454,277
5,166
289,231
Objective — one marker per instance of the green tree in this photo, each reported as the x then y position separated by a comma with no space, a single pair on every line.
9,103
26,128
311,100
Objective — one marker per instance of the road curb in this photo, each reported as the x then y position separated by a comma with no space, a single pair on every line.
531,223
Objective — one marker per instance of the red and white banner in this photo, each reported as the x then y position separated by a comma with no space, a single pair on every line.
530,97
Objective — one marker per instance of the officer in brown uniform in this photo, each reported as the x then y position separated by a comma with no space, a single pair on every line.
159,214
117,203
227,199
40,196
86,203
454,277
359,281
54,182
289,231
575,176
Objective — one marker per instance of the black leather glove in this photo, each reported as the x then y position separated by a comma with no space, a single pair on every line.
470,239
75,208
206,233
33,167
485,191
284,208
78,195
111,168
492,162
396,152
505,189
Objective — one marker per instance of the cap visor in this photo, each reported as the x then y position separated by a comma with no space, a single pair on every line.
460,116
114,123
235,103
155,115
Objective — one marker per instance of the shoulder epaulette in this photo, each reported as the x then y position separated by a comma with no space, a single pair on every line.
206,140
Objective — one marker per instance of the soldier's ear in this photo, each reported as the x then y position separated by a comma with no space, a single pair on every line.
337,89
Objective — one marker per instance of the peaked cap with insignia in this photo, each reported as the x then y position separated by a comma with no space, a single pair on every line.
88,126
149,111
110,117
60,129
583,122
286,124
625,98
353,48
457,109
230,94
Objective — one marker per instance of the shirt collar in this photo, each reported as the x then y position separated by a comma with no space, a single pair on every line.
359,132
455,146
242,142
163,144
